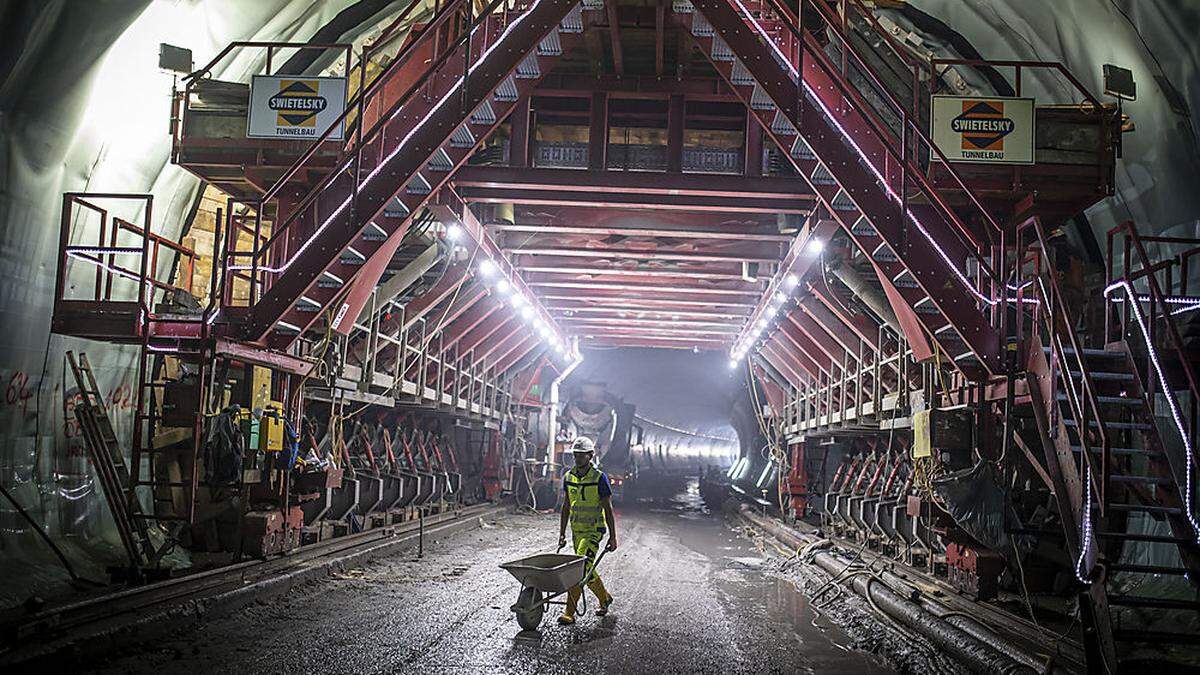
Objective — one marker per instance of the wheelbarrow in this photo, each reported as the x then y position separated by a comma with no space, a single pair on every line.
544,577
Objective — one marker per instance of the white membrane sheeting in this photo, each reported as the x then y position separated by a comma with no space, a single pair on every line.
84,107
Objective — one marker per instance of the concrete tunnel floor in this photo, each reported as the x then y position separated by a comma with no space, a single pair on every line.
693,594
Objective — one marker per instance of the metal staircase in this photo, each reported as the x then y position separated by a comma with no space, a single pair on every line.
937,270
355,217
1119,468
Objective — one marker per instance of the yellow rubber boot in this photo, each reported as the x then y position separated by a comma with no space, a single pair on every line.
602,595
568,616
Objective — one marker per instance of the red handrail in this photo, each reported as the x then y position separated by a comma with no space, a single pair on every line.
1061,326
1160,309
431,28
378,127
915,128
850,92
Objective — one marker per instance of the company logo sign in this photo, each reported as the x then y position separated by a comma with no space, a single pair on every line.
984,129
983,125
297,103
291,107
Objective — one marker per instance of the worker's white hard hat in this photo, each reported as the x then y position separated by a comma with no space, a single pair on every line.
583,444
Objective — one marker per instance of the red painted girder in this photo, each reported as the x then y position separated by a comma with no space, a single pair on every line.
625,254
593,218
764,370
465,301
525,380
594,273
624,322
364,283
847,335
631,182
509,346
643,87
643,281
614,34
506,361
617,328
659,291
654,341
487,328
636,330
861,186
774,394
468,321
625,298
862,325
820,337
452,284
455,276
664,314
344,224
787,365
513,332
451,209
791,340
442,321
800,257
626,200
735,232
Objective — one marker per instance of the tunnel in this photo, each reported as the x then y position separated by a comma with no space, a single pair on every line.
629,336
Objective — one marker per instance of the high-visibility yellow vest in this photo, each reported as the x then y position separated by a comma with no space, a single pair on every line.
587,514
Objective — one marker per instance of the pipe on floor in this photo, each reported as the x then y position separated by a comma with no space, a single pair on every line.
979,656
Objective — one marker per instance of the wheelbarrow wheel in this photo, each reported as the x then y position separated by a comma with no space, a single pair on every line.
531,619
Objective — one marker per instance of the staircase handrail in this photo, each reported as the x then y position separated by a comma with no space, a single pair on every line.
376,129
1159,312
911,170
358,102
1050,304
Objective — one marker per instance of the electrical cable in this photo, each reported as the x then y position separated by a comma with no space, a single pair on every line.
453,299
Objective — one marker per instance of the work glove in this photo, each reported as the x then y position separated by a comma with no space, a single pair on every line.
562,541
612,544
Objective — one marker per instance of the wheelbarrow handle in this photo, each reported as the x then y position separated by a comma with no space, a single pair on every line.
603,552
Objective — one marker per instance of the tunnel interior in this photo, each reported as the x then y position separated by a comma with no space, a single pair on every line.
878,319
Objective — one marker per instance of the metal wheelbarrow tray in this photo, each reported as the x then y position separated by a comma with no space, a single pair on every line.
543,577
548,572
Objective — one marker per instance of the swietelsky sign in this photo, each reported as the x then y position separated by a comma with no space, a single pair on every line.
984,129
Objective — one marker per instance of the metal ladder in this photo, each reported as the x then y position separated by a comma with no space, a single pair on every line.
104,451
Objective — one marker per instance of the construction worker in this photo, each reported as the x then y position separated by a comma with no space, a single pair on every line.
588,494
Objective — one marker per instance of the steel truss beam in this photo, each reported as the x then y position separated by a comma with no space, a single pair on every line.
624,189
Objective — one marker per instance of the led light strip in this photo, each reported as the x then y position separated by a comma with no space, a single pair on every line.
1168,393
505,283
1086,540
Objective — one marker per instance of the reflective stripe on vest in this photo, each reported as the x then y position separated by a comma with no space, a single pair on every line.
584,495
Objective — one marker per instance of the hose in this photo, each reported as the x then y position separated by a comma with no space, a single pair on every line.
977,655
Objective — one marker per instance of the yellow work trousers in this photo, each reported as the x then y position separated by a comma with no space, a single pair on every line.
588,545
